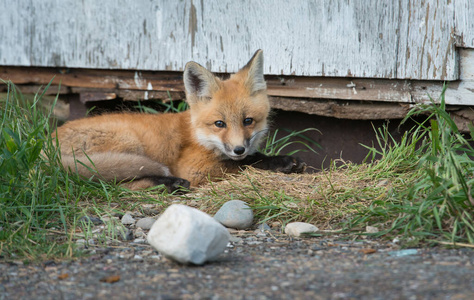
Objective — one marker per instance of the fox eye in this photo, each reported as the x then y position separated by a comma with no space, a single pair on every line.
248,121
220,124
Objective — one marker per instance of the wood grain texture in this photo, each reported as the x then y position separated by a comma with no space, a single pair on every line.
464,25
426,49
143,85
329,38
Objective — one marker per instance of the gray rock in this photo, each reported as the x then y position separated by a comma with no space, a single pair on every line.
298,228
235,239
145,223
126,235
235,214
262,228
127,219
139,233
90,219
188,235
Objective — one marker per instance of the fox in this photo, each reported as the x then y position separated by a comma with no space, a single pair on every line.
220,133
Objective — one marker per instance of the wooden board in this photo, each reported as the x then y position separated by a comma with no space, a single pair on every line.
464,27
143,85
332,38
426,48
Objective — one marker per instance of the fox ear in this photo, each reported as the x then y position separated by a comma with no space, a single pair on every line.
255,81
198,82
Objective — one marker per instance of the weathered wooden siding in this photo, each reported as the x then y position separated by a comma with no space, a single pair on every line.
464,19
333,38
426,48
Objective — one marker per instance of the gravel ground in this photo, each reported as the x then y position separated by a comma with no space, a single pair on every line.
255,266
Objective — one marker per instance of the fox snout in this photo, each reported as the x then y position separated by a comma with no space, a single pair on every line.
239,150
236,152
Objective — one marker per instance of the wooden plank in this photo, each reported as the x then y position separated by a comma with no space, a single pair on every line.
464,19
134,85
143,81
308,38
150,95
426,48
333,38
34,89
91,97
89,78
352,110
459,92
340,88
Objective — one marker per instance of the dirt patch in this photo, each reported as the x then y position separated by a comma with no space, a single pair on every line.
254,266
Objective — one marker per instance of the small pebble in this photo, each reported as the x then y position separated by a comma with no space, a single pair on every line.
235,239
127,219
139,233
262,228
299,228
235,214
139,241
145,223
90,219
371,229
127,235
404,252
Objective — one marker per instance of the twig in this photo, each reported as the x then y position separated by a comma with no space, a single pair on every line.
455,244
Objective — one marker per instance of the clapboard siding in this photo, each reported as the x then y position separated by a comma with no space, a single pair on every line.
333,38
464,23
427,41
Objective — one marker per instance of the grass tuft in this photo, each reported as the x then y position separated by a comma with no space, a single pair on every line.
40,203
434,161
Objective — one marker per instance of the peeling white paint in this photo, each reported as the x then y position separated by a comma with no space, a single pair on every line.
159,24
139,81
373,39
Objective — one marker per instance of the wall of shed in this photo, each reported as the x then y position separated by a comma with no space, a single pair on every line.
406,39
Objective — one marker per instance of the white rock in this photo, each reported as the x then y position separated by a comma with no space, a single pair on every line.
298,228
139,241
235,214
127,219
371,229
145,223
188,235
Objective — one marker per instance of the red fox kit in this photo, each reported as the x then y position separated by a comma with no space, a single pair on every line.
220,133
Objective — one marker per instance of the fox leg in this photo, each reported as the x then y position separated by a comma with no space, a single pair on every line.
132,170
280,163
171,183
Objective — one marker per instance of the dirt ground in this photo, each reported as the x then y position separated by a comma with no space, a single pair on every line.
254,266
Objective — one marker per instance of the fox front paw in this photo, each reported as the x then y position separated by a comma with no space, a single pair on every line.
287,164
284,164
281,163
174,184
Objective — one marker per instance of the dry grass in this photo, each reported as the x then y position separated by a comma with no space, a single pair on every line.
325,198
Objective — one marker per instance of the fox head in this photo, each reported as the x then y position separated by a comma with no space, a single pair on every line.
228,116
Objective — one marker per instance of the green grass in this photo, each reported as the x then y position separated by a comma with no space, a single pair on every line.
434,161
40,203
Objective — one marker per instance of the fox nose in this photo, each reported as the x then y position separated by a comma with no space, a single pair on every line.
239,150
